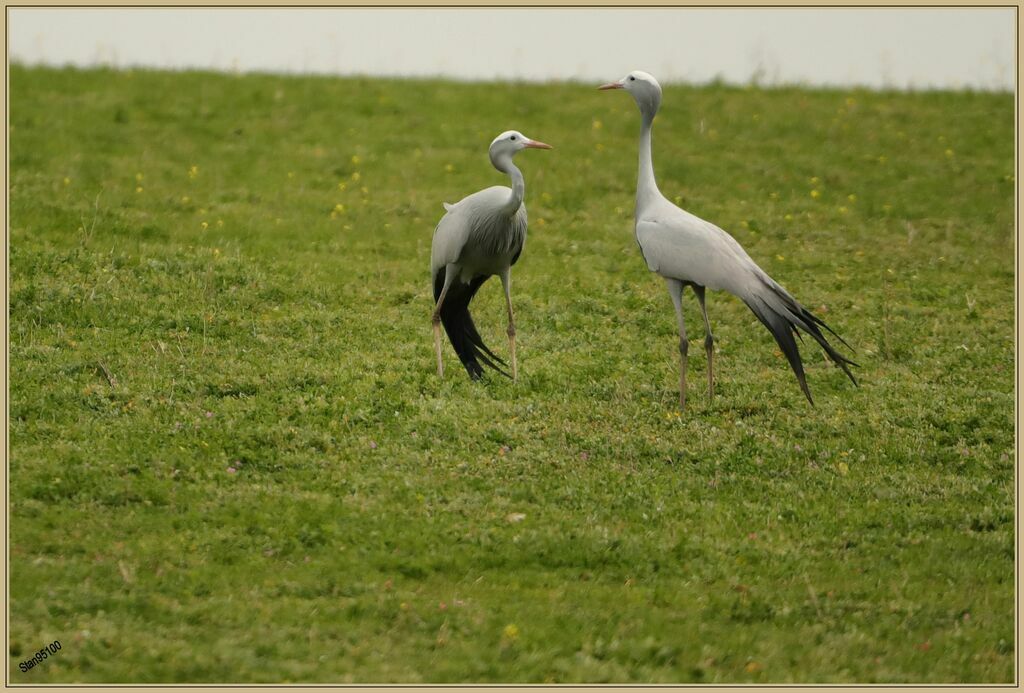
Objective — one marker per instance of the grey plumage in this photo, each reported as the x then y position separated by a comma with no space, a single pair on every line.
480,236
689,251
497,235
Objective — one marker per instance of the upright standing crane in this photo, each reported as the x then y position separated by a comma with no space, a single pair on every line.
688,251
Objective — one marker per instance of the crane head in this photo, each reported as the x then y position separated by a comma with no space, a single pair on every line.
643,87
509,143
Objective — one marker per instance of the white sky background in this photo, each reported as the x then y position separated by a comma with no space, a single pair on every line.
917,48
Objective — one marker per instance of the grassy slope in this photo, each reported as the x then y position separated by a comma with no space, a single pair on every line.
364,535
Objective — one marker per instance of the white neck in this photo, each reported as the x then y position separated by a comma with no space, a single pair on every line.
505,165
646,186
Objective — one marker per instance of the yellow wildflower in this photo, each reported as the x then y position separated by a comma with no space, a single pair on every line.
67,181
205,225
193,171
355,159
138,177
356,176
138,189
511,631
342,185
815,194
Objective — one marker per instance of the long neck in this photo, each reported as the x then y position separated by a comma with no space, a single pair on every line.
646,186
518,187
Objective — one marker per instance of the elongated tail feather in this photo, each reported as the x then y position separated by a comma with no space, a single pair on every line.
459,325
782,315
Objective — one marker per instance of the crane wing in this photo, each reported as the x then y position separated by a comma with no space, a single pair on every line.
682,246
450,236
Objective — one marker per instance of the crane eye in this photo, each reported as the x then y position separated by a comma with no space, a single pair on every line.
632,78
513,137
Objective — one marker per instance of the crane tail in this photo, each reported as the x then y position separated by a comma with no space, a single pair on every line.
783,315
783,332
462,333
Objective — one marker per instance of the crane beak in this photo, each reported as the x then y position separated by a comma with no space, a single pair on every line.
534,144
612,85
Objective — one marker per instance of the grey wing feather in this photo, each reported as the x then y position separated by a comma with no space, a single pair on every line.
682,246
450,236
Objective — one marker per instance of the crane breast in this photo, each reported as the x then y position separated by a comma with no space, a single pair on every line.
478,235
494,234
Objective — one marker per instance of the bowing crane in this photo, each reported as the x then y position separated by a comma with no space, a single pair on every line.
479,236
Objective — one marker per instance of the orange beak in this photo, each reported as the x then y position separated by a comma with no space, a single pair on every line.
611,85
534,144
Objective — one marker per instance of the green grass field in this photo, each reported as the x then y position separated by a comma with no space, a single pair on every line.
231,458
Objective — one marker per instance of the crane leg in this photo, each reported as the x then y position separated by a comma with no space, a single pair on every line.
709,340
675,290
506,283
449,276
